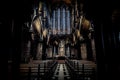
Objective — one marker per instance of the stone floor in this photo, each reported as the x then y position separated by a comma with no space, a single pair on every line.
61,73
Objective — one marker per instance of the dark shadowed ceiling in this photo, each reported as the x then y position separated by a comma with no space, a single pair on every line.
23,8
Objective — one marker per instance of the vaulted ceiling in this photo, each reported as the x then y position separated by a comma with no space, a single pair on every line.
23,8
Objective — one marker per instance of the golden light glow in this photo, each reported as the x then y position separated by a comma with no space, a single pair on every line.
45,33
78,33
86,24
37,25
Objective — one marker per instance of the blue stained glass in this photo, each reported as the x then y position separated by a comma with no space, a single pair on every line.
61,21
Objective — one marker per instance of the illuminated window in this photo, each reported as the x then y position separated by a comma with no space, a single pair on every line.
61,21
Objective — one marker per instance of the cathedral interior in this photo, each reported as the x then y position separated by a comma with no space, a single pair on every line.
63,40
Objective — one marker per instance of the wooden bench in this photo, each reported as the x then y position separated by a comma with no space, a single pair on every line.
80,71
42,72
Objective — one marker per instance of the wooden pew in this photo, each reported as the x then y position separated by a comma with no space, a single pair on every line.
41,72
80,71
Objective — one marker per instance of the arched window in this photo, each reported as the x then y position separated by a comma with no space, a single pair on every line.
61,20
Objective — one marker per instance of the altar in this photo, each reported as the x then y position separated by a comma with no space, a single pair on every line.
61,50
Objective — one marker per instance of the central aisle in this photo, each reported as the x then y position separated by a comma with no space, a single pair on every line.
61,72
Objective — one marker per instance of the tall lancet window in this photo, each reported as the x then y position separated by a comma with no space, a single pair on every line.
61,20
68,21
58,20
54,31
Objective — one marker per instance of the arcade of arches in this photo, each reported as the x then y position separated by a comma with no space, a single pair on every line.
63,40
